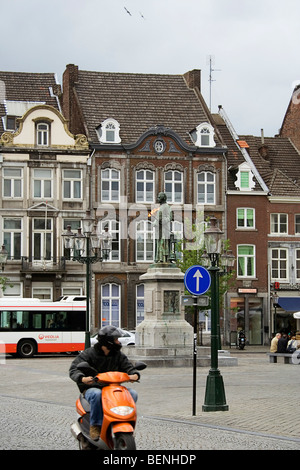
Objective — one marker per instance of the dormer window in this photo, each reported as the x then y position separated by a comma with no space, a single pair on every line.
11,123
244,178
14,110
108,132
203,135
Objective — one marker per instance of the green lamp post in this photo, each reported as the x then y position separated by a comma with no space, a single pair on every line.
215,399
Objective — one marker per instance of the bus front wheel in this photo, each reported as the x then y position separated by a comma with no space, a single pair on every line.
26,348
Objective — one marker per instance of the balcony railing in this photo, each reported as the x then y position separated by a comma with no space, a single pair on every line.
52,264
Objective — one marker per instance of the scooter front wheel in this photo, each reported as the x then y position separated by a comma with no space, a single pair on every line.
125,441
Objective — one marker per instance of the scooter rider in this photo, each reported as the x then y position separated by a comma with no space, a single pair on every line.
105,356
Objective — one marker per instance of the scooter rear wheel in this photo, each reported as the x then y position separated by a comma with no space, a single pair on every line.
125,441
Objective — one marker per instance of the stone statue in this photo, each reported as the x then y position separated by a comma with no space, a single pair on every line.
162,224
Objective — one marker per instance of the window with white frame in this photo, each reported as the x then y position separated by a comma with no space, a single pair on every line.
144,186
12,236
279,264
114,229
206,188
246,260
110,185
42,292
72,184
203,135
43,134
110,304
42,239
12,182
279,224
42,183
144,241
140,303
297,223
245,218
76,291
174,186
13,289
109,132
298,264
244,178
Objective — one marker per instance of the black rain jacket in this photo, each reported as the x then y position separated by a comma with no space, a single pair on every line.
114,361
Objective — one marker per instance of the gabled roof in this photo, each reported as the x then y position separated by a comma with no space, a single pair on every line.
237,147
139,102
25,88
276,159
278,162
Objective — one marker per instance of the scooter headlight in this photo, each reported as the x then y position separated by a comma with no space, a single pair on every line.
122,410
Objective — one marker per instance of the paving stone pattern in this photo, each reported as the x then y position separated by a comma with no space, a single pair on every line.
38,399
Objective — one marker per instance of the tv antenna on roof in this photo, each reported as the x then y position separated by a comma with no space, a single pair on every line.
211,61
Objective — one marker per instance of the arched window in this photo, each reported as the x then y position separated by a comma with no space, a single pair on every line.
174,186
206,188
109,132
145,181
110,304
43,134
203,135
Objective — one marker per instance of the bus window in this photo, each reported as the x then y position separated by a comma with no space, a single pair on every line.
76,321
20,320
56,320
37,321
5,320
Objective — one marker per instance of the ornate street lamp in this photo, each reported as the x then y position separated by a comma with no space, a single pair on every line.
215,393
88,248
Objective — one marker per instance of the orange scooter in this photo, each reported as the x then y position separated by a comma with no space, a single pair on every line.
119,412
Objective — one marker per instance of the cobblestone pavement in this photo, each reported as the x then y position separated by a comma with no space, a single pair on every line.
38,406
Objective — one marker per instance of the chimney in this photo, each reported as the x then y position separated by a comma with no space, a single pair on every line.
193,79
70,77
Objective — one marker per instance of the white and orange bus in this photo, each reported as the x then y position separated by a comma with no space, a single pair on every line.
31,326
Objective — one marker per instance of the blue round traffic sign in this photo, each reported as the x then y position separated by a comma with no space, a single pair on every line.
197,280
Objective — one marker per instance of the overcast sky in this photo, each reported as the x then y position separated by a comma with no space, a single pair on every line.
254,45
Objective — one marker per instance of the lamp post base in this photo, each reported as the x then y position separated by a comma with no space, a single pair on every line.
215,399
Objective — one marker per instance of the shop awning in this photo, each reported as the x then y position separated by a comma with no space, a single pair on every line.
290,304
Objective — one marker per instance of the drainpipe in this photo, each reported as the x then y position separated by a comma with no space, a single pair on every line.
89,171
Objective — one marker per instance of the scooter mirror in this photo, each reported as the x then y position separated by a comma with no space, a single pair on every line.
140,366
87,369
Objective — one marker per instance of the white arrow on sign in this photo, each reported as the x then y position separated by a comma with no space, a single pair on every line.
197,275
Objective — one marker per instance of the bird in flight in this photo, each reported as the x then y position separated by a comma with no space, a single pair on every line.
127,11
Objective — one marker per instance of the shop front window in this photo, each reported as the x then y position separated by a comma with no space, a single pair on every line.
241,311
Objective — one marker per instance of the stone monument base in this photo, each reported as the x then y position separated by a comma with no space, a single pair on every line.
176,357
164,332
164,338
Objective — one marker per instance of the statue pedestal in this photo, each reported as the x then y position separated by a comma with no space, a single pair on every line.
164,337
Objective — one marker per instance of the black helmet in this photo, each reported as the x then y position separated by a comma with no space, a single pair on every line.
107,335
